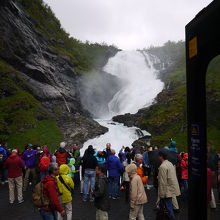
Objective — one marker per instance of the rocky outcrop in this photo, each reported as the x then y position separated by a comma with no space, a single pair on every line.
51,78
130,120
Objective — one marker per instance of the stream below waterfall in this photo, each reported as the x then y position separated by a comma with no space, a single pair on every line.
140,88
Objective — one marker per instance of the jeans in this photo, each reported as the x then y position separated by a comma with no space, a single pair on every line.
113,186
48,215
185,184
167,202
89,177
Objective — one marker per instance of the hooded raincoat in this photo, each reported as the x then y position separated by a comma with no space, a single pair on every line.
137,191
184,167
65,193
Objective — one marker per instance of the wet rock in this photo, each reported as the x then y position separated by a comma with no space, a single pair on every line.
143,141
50,78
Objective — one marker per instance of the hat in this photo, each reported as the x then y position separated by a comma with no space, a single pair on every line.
72,161
30,145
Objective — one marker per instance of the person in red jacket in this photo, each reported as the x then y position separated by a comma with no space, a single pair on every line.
61,154
44,163
209,184
14,165
184,173
51,191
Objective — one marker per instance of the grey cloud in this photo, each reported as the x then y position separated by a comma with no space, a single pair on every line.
129,24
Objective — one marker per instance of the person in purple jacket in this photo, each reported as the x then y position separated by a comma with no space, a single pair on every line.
29,161
114,168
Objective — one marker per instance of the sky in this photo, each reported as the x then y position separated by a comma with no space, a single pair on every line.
128,24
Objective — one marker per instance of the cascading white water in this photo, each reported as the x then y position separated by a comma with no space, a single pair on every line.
139,89
141,83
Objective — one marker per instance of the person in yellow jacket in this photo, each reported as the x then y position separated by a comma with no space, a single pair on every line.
65,185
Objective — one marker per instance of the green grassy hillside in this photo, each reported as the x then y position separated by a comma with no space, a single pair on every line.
167,117
22,118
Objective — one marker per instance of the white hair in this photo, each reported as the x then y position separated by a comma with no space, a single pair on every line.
138,157
62,144
14,151
113,151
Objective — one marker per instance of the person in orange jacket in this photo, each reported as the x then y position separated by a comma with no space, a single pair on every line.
138,161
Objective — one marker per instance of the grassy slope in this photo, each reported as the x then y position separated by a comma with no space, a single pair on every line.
167,117
22,117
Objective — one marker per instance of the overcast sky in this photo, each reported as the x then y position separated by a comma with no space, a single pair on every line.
129,24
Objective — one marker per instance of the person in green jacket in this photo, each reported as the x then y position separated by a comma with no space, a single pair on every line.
76,156
65,185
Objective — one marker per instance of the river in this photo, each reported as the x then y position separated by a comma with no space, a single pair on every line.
140,88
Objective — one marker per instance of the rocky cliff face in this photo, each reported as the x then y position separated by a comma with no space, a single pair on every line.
50,78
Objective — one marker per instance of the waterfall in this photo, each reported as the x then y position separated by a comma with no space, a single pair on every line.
139,89
141,85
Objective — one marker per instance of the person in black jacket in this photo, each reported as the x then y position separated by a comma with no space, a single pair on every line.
89,166
101,193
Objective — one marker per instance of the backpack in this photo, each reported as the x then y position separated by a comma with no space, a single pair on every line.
38,198
44,163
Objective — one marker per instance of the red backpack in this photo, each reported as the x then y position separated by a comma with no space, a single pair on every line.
44,163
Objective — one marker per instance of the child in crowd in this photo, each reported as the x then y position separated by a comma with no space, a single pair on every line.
65,185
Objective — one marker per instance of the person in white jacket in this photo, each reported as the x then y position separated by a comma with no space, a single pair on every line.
168,186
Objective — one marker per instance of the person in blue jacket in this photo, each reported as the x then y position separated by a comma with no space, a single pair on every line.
100,157
3,157
115,169
172,145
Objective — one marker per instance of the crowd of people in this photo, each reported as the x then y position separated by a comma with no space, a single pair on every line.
101,175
